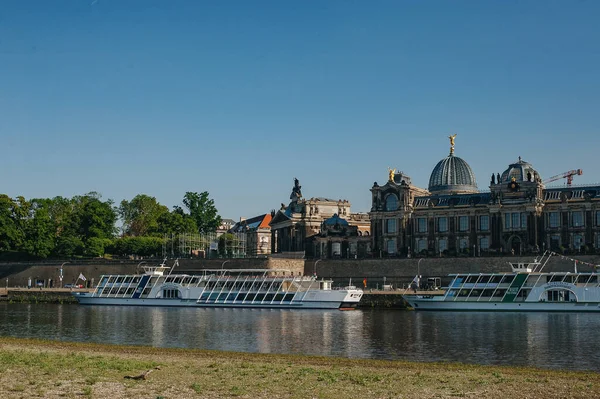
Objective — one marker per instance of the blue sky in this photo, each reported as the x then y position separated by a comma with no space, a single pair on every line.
239,97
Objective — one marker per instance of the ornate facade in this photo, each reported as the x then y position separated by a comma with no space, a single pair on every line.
258,234
518,215
295,227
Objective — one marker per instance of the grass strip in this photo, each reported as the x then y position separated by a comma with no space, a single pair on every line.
50,369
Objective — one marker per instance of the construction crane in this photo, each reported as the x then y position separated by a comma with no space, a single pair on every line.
567,175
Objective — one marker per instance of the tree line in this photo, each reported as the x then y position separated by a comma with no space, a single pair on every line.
86,225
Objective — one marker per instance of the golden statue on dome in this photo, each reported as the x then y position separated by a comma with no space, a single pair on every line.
452,143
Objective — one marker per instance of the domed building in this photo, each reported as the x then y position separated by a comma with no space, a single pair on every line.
452,175
519,171
452,217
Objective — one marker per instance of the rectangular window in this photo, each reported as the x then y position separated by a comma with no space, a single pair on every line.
597,241
524,220
442,224
553,219
421,245
422,225
506,221
597,218
577,218
463,243
555,242
463,223
484,243
443,245
484,223
516,220
391,247
578,241
390,226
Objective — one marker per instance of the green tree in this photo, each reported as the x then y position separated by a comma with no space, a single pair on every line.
10,235
175,223
202,209
140,215
142,246
93,217
68,245
97,246
40,231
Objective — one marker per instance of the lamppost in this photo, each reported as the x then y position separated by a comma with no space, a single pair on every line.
315,267
419,273
137,268
60,277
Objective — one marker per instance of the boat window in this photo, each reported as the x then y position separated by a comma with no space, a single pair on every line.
103,281
269,297
279,297
508,279
222,297
231,296
496,279
171,293
130,291
559,296
485,279
288,297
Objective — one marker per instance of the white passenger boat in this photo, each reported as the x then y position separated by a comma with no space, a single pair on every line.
240,288
527,288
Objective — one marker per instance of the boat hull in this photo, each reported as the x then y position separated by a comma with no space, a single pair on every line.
87,299
436,304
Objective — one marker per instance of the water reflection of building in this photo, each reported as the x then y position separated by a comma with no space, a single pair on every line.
453,217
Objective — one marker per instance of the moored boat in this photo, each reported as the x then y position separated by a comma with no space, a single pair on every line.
241,288
526,288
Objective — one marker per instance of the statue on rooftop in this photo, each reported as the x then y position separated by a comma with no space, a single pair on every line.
296,191
391,173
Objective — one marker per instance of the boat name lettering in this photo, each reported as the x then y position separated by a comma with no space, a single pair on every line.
513,290
557,284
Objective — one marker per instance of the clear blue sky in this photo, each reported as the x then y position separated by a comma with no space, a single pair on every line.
239,97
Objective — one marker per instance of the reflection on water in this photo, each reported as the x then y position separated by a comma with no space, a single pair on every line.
551,340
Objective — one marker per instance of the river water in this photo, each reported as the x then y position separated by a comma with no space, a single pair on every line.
548,340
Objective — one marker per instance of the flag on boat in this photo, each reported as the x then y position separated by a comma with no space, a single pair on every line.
365,283
82,277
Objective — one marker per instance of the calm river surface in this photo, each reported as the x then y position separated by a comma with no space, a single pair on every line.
549,340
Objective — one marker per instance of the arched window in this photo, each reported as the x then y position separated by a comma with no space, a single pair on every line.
391,202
